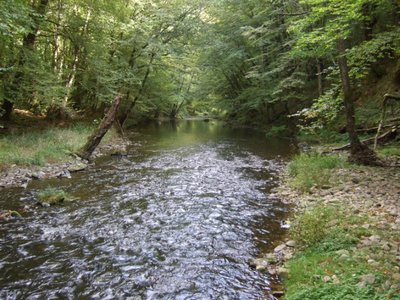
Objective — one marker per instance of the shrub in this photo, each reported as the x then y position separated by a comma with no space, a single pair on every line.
308,170
311,227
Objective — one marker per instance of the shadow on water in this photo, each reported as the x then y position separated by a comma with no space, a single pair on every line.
180,218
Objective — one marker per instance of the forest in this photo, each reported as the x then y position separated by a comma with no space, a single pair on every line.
258,63
322,76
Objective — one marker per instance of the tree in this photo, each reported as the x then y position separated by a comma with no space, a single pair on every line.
28,45
332,29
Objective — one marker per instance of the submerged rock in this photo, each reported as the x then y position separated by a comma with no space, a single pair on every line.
9,214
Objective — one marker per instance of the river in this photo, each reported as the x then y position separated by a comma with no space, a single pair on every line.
179,218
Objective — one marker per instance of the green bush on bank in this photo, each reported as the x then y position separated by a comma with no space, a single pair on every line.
317,227
308,170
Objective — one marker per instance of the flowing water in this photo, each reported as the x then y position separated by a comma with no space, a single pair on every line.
179,218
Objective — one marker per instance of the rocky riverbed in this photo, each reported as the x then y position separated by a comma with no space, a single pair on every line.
20,176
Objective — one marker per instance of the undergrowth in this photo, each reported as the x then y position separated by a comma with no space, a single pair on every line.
319,272
308,170
322,136
390,151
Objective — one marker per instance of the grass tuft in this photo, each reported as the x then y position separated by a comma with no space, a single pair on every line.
41,147
52,196
308,170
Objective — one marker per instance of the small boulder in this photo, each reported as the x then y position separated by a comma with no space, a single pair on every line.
280,248
366,280
396,277
344,257
38,175
327,279
282,272
375,239
291,243
80,166
271,258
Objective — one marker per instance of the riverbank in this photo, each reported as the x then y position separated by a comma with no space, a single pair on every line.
344,236
49,153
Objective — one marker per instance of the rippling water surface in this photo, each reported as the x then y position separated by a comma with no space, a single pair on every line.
180,218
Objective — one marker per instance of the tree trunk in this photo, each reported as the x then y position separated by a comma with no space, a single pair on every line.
8,108
359,153
320,82
95,139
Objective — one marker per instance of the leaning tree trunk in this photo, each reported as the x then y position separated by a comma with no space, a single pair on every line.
359,153
95,139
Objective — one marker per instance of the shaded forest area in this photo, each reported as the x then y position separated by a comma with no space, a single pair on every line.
272,64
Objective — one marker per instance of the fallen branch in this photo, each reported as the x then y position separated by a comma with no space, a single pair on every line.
384,138
374,129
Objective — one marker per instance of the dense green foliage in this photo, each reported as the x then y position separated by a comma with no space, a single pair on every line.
256,61
64,56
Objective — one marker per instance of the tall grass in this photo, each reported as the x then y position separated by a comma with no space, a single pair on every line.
41,147
308,170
